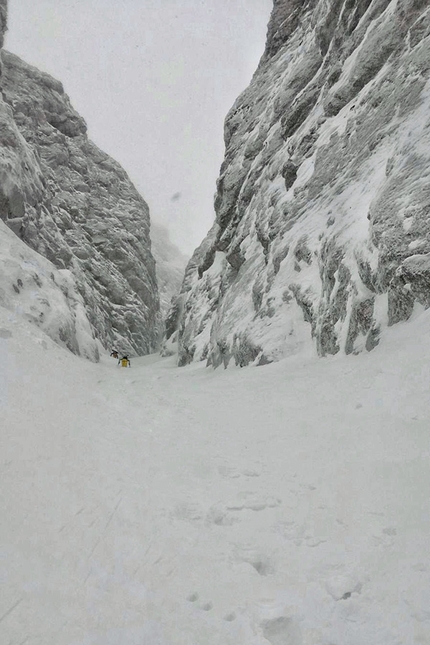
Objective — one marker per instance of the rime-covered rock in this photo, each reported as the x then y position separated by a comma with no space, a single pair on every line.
33,289
322,230
76,206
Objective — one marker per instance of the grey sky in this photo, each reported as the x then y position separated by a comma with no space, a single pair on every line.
154,80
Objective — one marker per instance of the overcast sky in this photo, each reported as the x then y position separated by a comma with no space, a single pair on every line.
154,80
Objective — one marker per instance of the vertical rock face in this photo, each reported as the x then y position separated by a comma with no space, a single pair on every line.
3,20
31,287
76,206
322,227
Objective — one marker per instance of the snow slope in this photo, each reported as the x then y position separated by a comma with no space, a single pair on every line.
155,506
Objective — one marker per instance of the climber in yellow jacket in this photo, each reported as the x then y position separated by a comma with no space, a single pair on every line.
124,361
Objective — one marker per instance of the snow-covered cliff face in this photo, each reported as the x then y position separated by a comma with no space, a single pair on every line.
32,289
76,206
322,231
3,20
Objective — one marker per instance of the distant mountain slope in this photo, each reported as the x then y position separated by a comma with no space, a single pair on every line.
322,211
170,265
76,206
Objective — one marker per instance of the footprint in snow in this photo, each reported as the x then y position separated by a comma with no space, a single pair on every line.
228,514
341,587
229,471
188,512
386,538
219,516
247,500
194,597
258,560
282,630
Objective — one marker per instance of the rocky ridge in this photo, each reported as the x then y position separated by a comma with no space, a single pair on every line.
76,206
322,234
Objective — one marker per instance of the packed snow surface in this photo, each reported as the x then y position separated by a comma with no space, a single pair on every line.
283,505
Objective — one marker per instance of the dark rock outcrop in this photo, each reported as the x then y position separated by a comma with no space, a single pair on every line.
323,196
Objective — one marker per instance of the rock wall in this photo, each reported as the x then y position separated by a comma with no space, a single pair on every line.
76,206
322,234
32,289
3,21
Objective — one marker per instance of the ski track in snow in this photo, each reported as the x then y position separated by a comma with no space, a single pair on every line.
286,504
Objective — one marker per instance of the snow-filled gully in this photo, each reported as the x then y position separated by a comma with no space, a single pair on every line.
286,504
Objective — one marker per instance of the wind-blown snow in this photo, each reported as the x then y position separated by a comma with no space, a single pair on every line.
286,506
